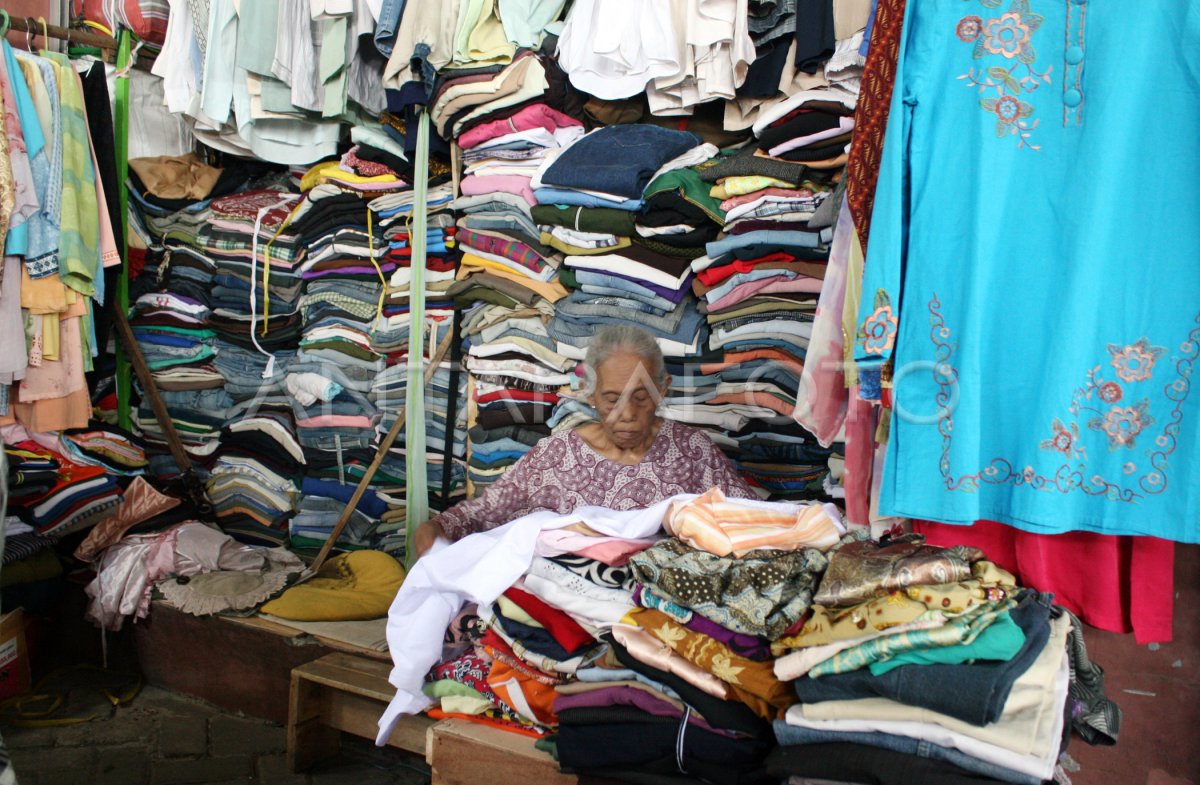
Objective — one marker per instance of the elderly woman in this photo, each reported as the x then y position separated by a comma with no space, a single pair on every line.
630,459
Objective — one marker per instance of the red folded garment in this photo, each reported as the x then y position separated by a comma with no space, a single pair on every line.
561,627
518,395
715,275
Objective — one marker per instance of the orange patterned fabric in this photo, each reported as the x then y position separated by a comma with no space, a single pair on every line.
871,114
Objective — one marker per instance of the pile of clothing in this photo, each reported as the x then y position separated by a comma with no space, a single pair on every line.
610,643
178,345
761,280
710,597
929,661
445,412
301,292
100,444
344,276
590,195
54,495
255,301
508,278
747,641
254,483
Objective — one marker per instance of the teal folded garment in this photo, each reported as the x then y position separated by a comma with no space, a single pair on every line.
1000,640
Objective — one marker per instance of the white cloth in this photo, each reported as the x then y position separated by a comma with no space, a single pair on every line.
616,263
614,48
308,388
715,53
180,62
697,155
592,613
478,569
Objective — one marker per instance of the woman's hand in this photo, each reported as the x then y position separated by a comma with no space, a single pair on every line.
424,537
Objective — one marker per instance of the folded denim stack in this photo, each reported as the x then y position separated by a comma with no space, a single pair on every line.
389,389
321,505
179,346
935,660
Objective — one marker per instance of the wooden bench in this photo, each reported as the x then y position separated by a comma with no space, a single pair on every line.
345,693
342,692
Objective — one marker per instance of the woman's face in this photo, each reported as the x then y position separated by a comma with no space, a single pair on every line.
626,399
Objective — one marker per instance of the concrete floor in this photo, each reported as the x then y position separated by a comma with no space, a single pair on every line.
1158,689
163,738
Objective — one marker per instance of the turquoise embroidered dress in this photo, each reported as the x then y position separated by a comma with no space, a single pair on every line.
1034,268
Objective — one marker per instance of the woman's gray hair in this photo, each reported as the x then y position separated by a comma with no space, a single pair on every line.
623,338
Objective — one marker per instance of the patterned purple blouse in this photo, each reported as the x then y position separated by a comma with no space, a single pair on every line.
563,472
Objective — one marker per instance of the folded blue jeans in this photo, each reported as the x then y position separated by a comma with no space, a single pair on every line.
793,735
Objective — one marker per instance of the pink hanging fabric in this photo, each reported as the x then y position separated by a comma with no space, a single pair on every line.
1114,583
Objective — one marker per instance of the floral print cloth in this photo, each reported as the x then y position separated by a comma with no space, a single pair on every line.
762,593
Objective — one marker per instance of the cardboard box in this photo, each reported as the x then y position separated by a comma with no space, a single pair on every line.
14,657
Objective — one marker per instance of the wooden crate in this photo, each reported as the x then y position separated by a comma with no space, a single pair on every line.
343,693
467,753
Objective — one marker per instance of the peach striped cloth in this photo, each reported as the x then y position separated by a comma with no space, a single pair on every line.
712,523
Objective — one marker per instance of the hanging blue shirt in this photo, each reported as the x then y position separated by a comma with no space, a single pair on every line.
1034,266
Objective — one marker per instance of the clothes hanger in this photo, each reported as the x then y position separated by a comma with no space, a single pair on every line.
6,23
45,32
29,33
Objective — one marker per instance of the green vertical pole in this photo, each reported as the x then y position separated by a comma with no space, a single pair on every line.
415,471
124,386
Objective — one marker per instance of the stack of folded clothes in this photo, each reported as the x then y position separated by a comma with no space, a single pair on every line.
759,283
255,479
320,507
930,662
589,195
179,347
641,654
390,388
508,280
54,495
107,446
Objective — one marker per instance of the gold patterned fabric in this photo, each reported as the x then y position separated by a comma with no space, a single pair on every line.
752,683
988,583
859,571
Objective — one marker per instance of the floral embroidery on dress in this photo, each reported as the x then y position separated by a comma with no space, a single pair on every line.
969,28
1103,401
877,334
1007,40
1135,363
1065,439
1123,424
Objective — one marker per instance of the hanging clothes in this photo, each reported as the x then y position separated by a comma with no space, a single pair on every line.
1042,323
